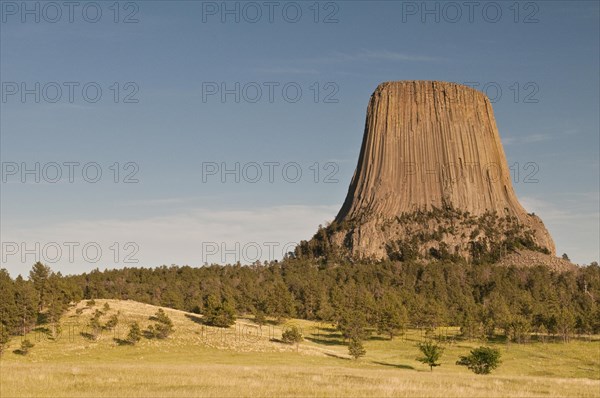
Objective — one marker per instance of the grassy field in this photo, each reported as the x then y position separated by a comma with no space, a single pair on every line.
247,361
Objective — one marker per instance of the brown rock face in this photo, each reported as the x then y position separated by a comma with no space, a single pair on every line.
430,145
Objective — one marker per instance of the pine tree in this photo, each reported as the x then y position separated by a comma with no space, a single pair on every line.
280,302
219,314
325,312
520,329
468,326
9,311
542,332
112,322
4,338
39,275
26,302
259,318
356,348
163,326
353,324
431,354
135,333
95,325
565,323
391,318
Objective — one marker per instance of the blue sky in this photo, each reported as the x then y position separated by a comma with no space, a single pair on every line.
543,57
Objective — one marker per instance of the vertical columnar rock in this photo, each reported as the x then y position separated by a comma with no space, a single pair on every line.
429,145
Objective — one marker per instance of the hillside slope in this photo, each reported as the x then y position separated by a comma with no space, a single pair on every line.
196,361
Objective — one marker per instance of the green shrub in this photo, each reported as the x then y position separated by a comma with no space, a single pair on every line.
481,360
26,345
292,335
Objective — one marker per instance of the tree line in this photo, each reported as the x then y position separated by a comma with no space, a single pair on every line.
484,300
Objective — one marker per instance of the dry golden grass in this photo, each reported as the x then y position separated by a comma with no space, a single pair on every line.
196,362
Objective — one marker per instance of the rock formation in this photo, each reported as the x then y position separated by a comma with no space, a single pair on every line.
432,179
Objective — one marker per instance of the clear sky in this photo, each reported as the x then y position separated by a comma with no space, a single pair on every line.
175,119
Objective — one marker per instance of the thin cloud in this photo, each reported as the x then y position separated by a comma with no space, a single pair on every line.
178,238
157,202
392,56
288,71
535,138
581,243
547,211
344,57
526,139
372,56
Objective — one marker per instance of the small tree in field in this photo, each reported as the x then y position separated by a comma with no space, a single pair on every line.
26,345
163,326
135,333
481,360
95,325
356,348
431,354
391,319
112,322
292,335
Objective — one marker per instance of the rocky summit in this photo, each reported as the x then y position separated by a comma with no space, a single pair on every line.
431,181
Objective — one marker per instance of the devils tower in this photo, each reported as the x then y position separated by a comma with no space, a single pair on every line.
431,180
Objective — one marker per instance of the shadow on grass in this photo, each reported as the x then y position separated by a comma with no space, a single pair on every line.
333,334
149,334
270,322
274,340
398,366
337,356
325,341
195,318
203,321
43,329
89,336
326,329
51,334
122,342
498,339
274,322
379,338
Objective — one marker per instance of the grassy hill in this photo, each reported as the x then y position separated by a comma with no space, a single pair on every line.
246,360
